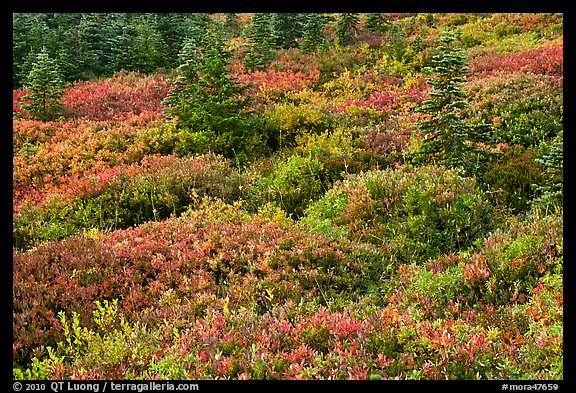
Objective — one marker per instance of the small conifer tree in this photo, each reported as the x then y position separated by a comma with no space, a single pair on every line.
449,140
286,29
346,28
552,158
207,104
46,88
312,35
231,24
260,35
375,22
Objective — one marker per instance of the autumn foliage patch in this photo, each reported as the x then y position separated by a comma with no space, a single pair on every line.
546,60
232,294
288,230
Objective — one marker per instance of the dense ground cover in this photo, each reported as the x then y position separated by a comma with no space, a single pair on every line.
323,250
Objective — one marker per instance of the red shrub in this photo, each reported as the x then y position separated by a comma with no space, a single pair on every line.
46,152
273,82
120,97
203,262
546,60
395,100
16,97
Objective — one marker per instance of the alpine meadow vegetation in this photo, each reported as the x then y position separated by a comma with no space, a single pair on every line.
278,196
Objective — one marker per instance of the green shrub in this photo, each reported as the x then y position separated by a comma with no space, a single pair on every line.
524,108
552,158
157,188
294,183
513,178
293,121
414,213
31,223
520,255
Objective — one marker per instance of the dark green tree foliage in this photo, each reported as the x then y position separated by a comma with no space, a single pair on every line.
312,32
136,43
189,59
261,50
23,70
375,22
552,158
198,24
58,40
148,48
231,24
46,88
447,138
131,42
171,27
88,45
21,24
65,46
286,29
121,42
29,35
207,104
346,28
96,44
396,45
93,56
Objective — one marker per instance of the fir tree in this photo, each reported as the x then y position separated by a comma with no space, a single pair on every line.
171,28
207,104
135,43
231,24
346,28
121,42
149,49
62,43
396,44
29,35
552,158
187,73
94,57
261,50
312,34
447,138
286,29
198,25
46,88
375,22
